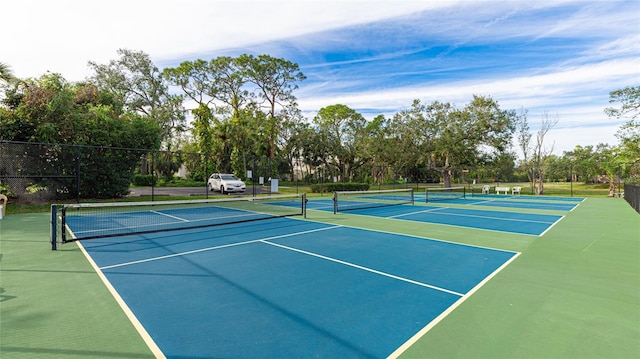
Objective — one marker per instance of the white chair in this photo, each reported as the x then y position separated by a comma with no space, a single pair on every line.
515,190
485,189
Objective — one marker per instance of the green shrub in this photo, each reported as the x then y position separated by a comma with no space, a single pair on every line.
143,180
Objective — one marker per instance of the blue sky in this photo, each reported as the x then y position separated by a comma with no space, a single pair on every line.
558,59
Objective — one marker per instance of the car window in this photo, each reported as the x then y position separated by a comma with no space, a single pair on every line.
229,177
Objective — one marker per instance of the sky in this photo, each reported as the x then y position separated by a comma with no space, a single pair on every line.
558,60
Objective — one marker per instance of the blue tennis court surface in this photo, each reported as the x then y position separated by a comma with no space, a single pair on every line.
512,222
525,202
288,288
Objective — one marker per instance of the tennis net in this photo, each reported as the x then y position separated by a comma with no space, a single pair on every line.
444,194
70,222
350,200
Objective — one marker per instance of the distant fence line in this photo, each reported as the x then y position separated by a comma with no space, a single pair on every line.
632,195
45,172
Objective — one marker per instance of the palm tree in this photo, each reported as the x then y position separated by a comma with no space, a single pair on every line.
5,72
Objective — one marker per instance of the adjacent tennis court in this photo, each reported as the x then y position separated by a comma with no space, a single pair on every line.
282,287
515,202
511,222
404,205
553,203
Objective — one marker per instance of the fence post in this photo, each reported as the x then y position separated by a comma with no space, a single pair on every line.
78,186
54,229
205,173
153,176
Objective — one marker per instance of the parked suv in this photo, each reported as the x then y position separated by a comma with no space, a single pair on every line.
225,183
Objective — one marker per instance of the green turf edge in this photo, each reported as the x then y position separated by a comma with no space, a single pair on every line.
573,293
40,317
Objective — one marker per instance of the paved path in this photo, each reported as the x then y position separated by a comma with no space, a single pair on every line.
185,191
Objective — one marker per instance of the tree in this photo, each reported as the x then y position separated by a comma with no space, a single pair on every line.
140,88
52,110
607,165
541,153
276,80
524,141
235,129
629,98
311,145
629,132
344,130
195,79
447,138
377,145
409,139
583,164
5,73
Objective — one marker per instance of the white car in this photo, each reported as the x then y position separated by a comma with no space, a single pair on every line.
225,183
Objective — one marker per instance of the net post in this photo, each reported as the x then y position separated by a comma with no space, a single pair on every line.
426,195
54,229
412,196
63,224
304,205
335,202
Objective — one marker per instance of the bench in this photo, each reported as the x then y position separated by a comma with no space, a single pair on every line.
515,190
502,189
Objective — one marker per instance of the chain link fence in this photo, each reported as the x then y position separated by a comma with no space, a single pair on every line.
32,173
46,173
632,196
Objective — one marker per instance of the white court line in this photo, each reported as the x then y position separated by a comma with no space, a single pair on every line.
364,268
481,202
551,226
321,207
574,207
408,214
170,216
498,218
155,350
401,349
216,247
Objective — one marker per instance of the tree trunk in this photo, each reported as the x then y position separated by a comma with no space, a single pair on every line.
446,177
612,187
540,187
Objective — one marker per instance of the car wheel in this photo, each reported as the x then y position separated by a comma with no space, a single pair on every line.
222,189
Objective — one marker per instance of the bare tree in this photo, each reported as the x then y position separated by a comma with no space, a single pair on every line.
524,141
541,152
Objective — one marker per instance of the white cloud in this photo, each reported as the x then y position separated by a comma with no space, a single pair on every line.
63,35
537,91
